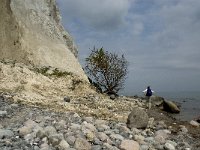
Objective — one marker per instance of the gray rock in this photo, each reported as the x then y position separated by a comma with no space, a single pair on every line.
71,140
129,145
82,144
102,127
44,146
138,138
112,96
171,107
67,99
50,130
96,147
97,141
149,140
30,123
60,125
88,119
55,139
14,105
102,136
116,137
169,146
40,133
6,133
24,130
3,113
63,145
138,118
194,123
109,147
88,126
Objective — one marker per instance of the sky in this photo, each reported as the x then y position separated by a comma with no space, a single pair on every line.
159,38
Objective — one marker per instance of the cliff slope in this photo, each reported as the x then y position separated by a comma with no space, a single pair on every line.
31,33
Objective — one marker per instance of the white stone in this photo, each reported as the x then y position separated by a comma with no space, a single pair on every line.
3,113
194,123
169,146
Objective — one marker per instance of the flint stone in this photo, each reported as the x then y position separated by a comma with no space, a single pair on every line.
67,99
198,119
138,118
112,96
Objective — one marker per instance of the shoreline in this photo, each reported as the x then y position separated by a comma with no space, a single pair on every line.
189,107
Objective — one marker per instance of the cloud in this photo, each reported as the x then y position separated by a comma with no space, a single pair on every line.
99,14
160,38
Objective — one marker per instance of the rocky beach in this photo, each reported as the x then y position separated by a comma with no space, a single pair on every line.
24,127
48,103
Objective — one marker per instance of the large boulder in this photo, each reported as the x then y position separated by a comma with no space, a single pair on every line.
138,118
171,107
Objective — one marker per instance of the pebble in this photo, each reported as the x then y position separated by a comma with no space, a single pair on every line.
3,113
82,144
169,146
194,123
4,133
129,145
41,129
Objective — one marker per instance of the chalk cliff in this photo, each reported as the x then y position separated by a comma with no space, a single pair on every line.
31,33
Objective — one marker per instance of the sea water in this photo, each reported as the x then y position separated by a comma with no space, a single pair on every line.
190,103
188,100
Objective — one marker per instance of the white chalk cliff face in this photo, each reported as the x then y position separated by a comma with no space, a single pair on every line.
31,33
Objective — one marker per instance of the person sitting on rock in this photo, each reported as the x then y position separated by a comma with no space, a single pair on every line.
148,93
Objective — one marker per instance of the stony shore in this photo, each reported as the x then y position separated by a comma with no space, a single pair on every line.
25,127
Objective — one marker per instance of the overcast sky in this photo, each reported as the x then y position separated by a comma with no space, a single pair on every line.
159,38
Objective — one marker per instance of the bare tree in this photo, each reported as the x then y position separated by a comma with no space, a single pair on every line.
107,70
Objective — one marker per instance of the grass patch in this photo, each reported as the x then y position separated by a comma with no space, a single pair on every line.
47,71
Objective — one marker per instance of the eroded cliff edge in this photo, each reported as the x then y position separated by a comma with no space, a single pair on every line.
31,33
